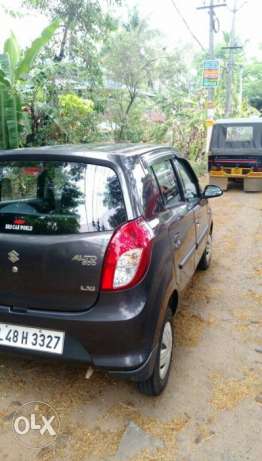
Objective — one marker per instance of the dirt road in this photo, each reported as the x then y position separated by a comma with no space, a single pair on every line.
212,408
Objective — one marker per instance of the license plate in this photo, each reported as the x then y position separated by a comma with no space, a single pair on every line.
32,338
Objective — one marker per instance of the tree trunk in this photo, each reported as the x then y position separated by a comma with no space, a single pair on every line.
124,123
61,54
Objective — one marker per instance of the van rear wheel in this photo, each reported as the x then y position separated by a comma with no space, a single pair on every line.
159,378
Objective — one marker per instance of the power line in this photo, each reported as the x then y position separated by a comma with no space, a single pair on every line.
187,25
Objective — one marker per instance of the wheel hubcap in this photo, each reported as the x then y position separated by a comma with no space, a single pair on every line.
166,350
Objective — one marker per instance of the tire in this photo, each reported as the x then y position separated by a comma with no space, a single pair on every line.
205,260
158,380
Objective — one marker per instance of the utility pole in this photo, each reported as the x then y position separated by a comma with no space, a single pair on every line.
240,98
213,27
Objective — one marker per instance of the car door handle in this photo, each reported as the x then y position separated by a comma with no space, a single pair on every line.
177,240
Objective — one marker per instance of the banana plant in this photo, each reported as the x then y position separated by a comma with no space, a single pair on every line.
14,68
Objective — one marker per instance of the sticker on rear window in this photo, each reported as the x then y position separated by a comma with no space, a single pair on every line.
21,227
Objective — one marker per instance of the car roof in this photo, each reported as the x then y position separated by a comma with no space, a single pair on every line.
239,121
104,151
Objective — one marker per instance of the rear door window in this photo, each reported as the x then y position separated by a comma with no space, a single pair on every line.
165,176
58,197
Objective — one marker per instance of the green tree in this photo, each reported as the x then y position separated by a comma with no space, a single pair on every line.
239,106
180,101
14,67
70,64
130,64
84,24
252,77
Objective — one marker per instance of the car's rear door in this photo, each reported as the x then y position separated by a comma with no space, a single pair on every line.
180,221
196,204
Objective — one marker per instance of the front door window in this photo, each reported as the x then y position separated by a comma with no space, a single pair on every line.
189,183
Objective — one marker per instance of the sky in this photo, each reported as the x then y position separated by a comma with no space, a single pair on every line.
162,15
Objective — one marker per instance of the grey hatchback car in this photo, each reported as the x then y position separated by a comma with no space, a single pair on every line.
97,242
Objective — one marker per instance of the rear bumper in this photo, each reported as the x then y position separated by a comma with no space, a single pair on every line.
116,335
231,173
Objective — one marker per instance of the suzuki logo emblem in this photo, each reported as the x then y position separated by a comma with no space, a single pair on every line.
13,256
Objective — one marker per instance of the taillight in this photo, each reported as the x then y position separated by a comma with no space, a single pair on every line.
128,256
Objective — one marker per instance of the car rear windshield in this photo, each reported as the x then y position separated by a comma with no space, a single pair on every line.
58,197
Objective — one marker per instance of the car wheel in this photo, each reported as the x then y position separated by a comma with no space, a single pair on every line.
205,260
158,380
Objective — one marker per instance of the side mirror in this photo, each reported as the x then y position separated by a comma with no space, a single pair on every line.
212,191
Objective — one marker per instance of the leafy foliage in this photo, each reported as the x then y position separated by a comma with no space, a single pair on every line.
84,24
74,115
24,65
253,84
13,66
99,79
10,107
130,62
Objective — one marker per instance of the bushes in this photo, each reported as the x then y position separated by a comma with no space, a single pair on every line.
75,117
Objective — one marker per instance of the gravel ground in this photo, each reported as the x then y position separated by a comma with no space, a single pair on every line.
212,407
